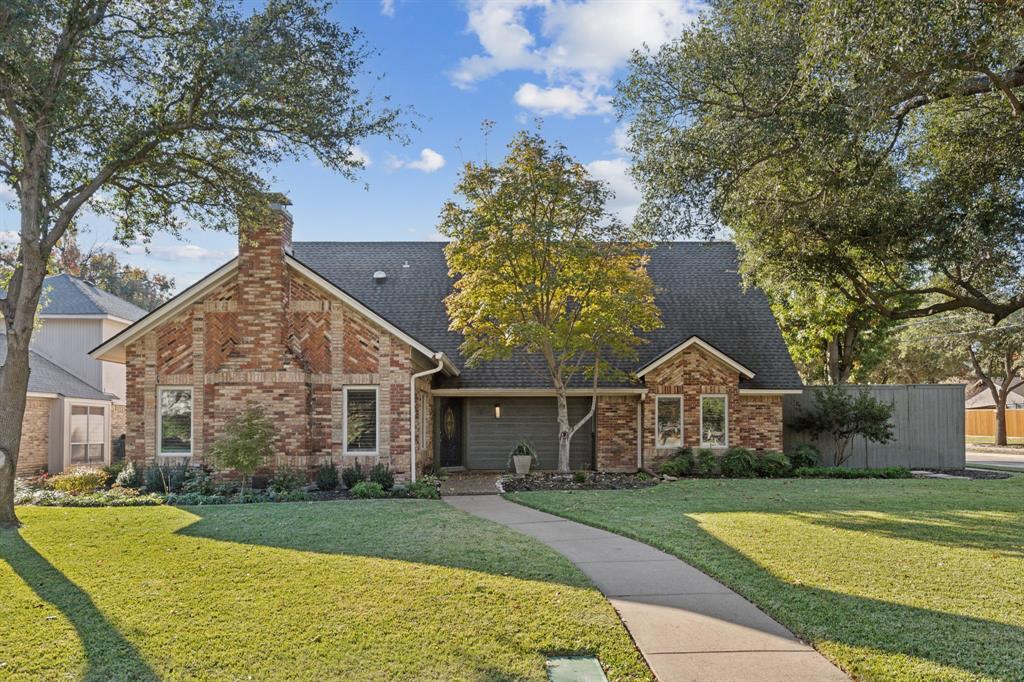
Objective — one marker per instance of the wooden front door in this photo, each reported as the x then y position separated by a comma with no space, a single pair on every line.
450,427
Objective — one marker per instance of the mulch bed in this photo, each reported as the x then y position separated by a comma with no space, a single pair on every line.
594,481
971,473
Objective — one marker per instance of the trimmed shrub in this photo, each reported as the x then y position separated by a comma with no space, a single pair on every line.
352,475
382,476
365,490
327,477
706,463
130,477
738,463
579,476
804,455
643,475
286,479
113,471
199,481
79,481
680,464
424,490
837,472
772,464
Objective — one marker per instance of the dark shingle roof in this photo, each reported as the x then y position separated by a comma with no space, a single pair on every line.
699,293
47,377
67,295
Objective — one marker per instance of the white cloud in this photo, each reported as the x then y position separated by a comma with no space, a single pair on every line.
9,237
615,172
578,44
620,137
387,8
356,153
563,100
428,162
178,252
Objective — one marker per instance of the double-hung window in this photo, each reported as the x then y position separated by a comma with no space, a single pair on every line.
360,420
88,434
714,421
174,433
668,416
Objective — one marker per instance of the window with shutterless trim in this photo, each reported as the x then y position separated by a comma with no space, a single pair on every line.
174,421
714,421
361,416
668,421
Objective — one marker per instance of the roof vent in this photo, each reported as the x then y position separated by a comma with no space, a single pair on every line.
380,277
405,264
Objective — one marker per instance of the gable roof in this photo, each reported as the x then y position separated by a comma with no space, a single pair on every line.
47,377
699,343
699,293
983,398
72,296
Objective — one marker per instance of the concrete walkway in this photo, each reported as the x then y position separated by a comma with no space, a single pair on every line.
687,625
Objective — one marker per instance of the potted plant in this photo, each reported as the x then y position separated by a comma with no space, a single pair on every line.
522,456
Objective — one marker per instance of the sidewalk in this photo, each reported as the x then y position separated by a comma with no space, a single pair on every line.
687,625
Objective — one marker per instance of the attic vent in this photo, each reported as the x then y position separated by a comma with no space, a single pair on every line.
405,264
380,276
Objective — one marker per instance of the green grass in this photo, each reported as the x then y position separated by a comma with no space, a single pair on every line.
349,590
990,440
890,579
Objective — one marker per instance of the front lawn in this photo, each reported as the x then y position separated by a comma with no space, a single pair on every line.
301,591
892,580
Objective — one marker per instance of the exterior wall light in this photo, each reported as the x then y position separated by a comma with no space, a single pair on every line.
497,411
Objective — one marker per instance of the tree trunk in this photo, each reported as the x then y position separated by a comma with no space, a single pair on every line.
564,431
1001,422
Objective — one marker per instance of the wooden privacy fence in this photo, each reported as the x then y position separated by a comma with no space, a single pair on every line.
928,427
983,423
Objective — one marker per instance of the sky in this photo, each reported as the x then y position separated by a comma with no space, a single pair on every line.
455,64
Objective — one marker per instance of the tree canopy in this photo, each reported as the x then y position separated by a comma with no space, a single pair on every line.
543,268
876,149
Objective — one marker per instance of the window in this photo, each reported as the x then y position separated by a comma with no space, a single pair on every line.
668,415
88,434
361,420
714,422
174,434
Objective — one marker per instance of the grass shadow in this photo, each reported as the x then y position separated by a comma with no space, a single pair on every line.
109,656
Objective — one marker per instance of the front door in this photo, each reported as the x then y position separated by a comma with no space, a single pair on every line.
450,423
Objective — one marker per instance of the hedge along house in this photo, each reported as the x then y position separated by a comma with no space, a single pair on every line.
347,346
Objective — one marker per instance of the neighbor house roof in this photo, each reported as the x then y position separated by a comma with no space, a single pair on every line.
48,378
72,296
699,294
983,398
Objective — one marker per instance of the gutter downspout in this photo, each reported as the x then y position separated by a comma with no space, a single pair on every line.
412,408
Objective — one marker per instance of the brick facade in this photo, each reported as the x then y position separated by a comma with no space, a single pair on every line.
270,336
34,454
616,437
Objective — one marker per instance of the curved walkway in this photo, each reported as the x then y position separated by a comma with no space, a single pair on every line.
687,625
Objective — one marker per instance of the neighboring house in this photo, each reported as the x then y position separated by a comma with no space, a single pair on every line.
981,398
348,348
75,402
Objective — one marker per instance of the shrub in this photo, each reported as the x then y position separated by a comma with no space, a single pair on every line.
738,463
424,490
843,415
327,477
286,479
130,476
772,464
352,475
680,464
197,481
166,479
836,472
643,475
113,471
804,455
79,481
382,476
246,444
579,476
366,490
115,497
706,463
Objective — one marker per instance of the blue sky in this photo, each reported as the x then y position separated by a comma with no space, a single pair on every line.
456,64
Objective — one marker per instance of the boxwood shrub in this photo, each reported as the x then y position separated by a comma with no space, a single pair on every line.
839,472
738,463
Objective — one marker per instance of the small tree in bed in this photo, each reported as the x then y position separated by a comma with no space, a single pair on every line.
246,444
843,416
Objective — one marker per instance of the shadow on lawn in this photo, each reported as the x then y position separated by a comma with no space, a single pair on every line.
109,656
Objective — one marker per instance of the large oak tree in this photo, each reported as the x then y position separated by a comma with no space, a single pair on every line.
157,114
873,149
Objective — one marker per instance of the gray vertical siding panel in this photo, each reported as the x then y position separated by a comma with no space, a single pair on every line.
488,440
928,427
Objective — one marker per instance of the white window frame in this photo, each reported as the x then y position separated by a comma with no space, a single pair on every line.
160,421
657,422
725,397
68,404
344,420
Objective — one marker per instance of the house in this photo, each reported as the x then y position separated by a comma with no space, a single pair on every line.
981,398
75,402
348,348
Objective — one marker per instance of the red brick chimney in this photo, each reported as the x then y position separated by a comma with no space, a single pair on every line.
264,238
